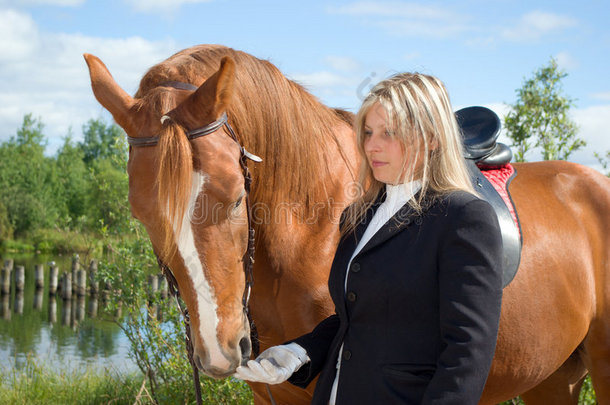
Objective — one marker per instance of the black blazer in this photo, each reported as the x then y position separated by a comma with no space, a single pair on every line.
419,318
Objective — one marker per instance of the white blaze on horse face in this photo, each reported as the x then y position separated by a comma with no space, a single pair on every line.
204,295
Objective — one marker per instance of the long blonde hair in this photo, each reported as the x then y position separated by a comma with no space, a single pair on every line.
418,111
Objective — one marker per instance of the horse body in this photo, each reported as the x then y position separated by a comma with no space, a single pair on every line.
551,307
554,325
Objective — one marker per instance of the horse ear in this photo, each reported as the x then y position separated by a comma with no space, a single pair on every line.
224,86
108,92
211,98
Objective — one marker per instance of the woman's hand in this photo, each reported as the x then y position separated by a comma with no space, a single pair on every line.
275,365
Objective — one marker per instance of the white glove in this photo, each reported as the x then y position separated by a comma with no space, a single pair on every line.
275,365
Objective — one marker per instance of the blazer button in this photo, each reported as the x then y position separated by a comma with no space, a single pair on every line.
351,296
347,355
355,267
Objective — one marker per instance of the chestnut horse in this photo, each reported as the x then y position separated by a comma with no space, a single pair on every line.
189,193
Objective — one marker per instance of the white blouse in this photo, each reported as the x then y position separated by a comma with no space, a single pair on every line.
396,197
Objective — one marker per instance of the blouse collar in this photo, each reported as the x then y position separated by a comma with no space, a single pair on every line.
399,194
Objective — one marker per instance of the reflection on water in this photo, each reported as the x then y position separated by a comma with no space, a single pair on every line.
84,334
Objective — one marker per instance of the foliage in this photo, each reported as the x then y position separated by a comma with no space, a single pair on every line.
540,117
102,141
587,394
154,327
26,179
83,184
58,202
34,384
604,161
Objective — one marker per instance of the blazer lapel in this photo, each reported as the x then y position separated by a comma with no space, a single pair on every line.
401,220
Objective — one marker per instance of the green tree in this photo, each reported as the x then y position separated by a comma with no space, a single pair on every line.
540,117
101,141
604,161
103,151
26,179
73,183
108,195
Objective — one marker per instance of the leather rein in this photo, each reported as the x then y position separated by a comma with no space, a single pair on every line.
248,258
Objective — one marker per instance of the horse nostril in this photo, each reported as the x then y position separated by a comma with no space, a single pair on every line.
197,361
246,348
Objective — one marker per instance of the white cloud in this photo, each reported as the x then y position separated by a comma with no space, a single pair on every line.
45,74
63,3
161,5
411,56
565,61
393,9
406,19
604,96
18,34
594,124
536,24
320,80
341,63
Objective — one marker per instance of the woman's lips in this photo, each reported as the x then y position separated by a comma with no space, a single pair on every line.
377,163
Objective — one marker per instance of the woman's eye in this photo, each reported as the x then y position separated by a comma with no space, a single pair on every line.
368,133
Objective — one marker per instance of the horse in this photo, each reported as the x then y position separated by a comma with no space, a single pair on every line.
192,194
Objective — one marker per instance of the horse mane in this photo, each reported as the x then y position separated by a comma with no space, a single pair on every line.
274,118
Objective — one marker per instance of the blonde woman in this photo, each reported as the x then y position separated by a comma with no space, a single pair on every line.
416,279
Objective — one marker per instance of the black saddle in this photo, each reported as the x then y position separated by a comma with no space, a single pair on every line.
480,129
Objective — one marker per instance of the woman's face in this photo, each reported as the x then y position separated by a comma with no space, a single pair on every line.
384,152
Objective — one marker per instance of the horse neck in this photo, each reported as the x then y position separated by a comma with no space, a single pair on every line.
290,226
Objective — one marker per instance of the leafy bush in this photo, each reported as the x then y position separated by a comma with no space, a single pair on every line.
154,326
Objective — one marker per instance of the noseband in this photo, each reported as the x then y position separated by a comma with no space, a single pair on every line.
248,258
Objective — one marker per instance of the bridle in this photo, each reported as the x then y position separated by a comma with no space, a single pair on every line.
248,258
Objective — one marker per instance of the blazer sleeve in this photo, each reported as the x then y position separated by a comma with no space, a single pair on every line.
316,344
470,294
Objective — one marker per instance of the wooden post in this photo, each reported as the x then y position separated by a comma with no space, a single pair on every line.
52,309
53,274
8,263
92,307
163,286
66,310
19,278
81,282
19,302
39,276
38,299
93,283
6,308
79,315
5,281
153,286
75,268
66,287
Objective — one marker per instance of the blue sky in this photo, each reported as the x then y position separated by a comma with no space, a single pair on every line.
482,50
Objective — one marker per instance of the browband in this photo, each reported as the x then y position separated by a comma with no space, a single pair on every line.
195,133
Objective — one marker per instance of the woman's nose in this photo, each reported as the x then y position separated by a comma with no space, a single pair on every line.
371,144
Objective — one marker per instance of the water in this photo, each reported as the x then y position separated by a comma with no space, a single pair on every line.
64,335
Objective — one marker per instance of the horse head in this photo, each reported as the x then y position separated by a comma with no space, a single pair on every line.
189,193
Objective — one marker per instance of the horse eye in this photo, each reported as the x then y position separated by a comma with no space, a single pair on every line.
238,202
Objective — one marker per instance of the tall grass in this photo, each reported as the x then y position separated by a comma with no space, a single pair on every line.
35,384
